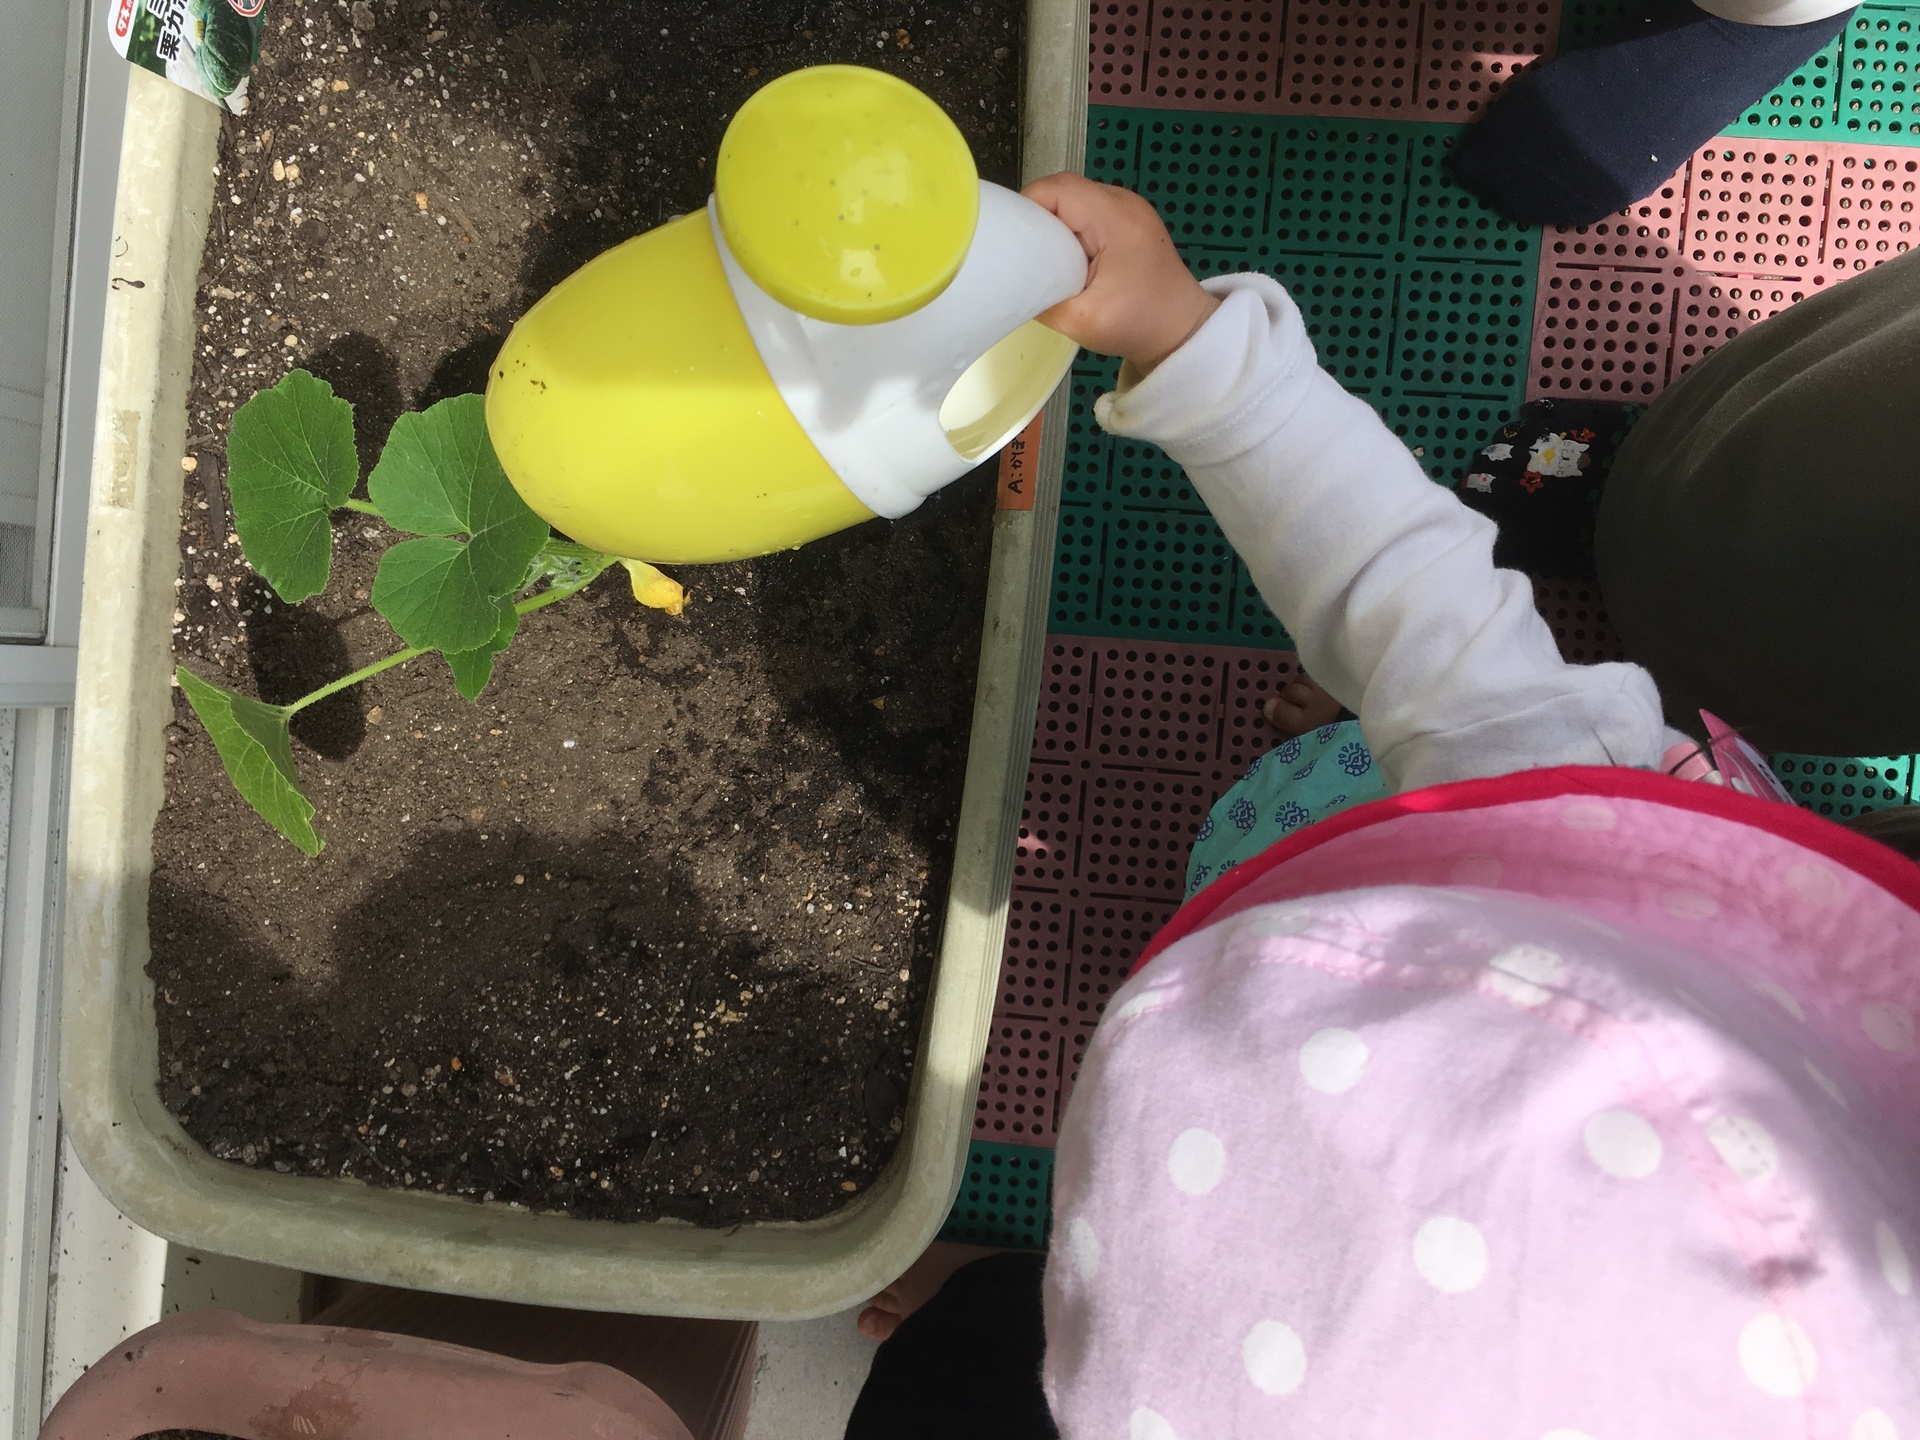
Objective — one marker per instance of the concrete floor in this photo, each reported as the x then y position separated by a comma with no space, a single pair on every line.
807,1378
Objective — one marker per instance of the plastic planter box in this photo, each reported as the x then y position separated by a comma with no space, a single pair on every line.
132,1147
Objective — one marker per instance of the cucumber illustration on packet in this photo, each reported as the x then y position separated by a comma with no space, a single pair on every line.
206,46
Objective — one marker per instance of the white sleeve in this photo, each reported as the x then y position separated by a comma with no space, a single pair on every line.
1384,579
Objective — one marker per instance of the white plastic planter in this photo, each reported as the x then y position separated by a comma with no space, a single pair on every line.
131,1145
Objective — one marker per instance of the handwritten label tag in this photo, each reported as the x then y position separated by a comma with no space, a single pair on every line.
1020,468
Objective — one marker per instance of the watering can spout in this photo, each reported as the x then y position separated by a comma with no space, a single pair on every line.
846,328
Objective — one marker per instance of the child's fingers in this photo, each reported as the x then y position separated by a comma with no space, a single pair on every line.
1282,714
1079,203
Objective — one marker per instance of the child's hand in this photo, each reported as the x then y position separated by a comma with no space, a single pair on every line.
1141,303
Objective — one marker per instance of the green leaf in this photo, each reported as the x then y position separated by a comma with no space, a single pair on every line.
472,669
252,740
290,464
438,478
430,594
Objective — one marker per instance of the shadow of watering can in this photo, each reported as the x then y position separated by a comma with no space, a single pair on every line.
847,327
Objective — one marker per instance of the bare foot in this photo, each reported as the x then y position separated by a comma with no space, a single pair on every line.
920,1284
1300,706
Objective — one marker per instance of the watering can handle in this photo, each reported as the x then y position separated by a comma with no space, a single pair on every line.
870,396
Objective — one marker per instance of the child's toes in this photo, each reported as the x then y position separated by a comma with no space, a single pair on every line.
876,1323
1284,716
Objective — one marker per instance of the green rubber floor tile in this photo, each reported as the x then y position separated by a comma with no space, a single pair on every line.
1878,101
1348,309
1208,176
1079,572
1464,330
1143,478
1113,145
1444,219
1443,433
1347,305
1339,187
1005,1199
1089,457
1167,575
1842,787
1253,623
1804,106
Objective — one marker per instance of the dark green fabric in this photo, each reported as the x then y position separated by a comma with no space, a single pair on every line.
1757,537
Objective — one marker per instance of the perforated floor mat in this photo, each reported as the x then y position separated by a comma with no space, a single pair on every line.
1305,139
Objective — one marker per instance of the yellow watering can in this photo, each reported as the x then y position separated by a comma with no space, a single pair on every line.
847,327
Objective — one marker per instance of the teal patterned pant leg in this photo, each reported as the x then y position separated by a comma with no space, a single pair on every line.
1306,779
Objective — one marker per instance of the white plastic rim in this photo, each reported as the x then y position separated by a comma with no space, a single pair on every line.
900,408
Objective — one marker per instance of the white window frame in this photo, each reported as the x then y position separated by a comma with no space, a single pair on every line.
37,680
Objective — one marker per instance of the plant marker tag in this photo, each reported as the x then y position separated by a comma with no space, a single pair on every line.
1746,768
206,46
1020,469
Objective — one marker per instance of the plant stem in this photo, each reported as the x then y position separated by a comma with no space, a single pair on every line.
400,657
365,672
365,507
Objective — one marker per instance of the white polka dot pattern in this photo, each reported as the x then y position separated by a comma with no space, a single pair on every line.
1333,1060
1083,1246
1197,1161
1589,815
1276,1361
1450,1254
1743,1142
1889,1025
1623,1144
1894,1262
1689,905
1777,1355
1817,885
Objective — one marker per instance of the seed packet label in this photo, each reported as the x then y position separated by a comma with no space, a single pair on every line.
206,46
1020,468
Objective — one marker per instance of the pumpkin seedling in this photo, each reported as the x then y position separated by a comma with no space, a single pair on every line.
479,559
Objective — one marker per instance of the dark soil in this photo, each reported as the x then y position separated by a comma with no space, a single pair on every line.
648,930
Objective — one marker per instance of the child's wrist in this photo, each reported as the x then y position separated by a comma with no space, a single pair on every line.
1181,326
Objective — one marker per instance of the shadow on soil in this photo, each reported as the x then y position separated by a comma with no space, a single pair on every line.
277,1086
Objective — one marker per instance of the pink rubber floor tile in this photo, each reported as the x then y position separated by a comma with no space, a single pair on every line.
1046,855
1155,707
1019,1083
1036,965
1711,309
1601,334
1603,304
1108,936
1251,677
1578,616
1213,56
1352,57
1757,208
1139,829
1471,50
1117,49
1644,236
1066,684
1870,200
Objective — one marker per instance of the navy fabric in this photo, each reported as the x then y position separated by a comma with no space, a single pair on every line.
966,1365
1597,129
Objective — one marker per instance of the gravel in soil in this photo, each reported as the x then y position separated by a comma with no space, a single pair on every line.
648,930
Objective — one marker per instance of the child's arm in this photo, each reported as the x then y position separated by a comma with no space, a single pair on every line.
1384,579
